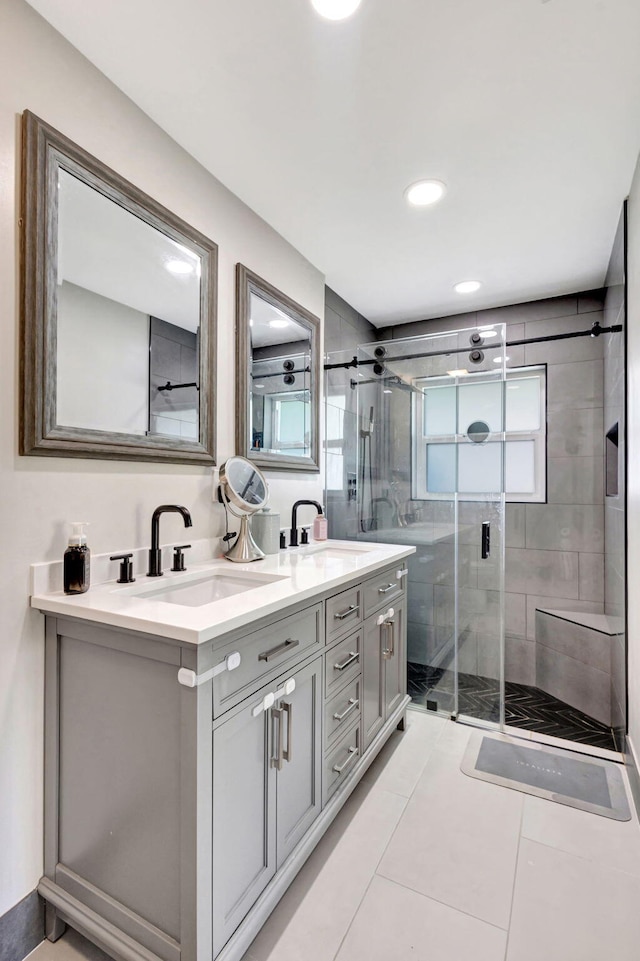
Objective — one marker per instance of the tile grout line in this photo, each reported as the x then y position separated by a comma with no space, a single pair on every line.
515,878
579,857
429,897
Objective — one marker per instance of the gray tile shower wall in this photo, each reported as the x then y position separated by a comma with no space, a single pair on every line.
555,551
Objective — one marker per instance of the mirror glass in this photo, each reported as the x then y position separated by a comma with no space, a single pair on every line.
277,377
280,381
118,314
128,318
246,486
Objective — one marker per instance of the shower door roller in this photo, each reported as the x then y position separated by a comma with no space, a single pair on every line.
486,540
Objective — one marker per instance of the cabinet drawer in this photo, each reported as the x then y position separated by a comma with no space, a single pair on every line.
383,589
344,612
343,663
341,761
266,652
341,711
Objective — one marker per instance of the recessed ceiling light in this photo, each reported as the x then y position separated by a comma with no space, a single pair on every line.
258,386
461,372
278,323
179,267
498,360
425,192
387,391
467,287
335,9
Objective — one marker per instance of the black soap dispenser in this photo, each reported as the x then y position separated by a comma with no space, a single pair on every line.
77,561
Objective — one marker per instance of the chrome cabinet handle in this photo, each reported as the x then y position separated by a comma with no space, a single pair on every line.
347,613
389,626
277,760
385,590
280,649
353,657
288,710
353,704
401,574
339,768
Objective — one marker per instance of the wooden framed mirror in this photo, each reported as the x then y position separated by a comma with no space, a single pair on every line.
277,377
118,314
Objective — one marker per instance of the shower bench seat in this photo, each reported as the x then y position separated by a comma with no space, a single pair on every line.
574,651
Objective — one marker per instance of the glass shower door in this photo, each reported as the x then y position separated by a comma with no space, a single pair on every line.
431,474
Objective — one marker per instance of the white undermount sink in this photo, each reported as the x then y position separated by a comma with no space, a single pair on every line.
205,588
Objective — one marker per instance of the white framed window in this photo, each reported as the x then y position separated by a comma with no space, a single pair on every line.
459,430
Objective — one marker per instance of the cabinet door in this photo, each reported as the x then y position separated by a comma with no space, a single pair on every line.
244,835
395,664
297,750
372,681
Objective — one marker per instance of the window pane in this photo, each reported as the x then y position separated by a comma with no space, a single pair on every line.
479,468
480,402
523,403
520,475
439,411
441,468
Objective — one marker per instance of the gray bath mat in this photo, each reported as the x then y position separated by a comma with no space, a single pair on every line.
587,783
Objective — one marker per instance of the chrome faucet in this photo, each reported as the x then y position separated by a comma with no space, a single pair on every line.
155,554
294,519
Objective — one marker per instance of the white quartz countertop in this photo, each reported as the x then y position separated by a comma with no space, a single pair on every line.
284,579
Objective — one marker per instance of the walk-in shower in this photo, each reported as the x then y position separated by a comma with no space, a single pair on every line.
497,450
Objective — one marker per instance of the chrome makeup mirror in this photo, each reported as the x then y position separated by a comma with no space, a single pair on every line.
118,314
278,376
244,491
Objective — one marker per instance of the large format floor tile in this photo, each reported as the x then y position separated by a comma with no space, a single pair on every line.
458,839
613,844
315,913
401,762
566,908
395,924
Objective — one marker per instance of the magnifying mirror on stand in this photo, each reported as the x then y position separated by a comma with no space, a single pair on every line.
244,491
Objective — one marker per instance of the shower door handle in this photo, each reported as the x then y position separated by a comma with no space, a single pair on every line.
486,540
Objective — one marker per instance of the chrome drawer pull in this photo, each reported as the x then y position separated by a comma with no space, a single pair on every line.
339,768
385,590
277,759
388,652
353,704
401,574
353,657
280,649
288,710
353,609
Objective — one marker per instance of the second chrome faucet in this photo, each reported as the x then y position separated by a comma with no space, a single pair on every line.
155,554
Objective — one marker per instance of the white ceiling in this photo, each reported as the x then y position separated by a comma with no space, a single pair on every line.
528,110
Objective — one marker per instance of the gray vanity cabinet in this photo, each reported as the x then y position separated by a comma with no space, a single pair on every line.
185,787
244,817
383,669
266,792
